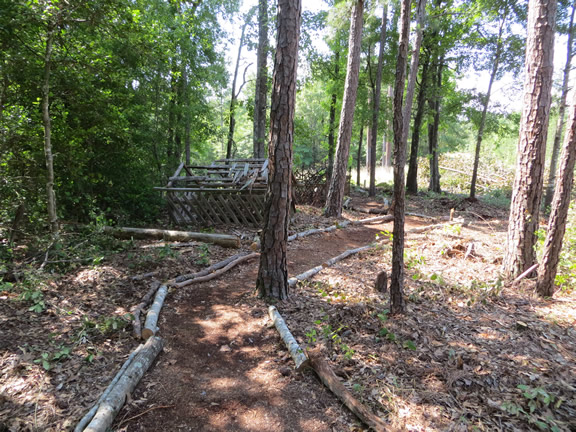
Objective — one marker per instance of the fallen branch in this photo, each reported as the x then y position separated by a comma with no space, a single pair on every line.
90,414
224,240
313,271
136,324
526,273
125,385
208,270
144,412
300,359
341,225
330,380
216,273
308,274
150,326
369,210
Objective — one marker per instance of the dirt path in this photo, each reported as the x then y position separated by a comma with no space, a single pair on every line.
224,369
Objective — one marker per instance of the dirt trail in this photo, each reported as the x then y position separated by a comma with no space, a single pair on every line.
224,369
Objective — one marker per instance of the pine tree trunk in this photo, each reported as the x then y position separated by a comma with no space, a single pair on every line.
50,194
397,304
359,156
272,279
413,70
560,205
332,124
495,64
527,190
433,130
412,178
561,114
376,108
261,95
338,180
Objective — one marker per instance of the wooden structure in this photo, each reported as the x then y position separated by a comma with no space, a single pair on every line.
228,191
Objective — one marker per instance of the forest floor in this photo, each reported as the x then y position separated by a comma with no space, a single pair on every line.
471,353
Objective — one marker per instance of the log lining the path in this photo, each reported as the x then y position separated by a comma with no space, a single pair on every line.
223,240
150,326
123,385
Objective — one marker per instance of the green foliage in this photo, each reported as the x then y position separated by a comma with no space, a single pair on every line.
327,333
535,408
203,254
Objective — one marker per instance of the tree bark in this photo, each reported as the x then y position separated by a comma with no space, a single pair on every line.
338,180
486,103
261,95
376,108
548,267
359,158
561,114
413,70
397,304
527,190
332,122
272,279
412,178
50,194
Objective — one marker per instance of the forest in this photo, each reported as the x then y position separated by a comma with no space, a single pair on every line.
250,215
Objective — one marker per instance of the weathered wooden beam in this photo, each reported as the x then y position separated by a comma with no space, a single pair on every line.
298,355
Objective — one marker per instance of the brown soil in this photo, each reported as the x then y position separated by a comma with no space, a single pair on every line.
454,362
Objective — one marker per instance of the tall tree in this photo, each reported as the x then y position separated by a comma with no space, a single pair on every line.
420,14
412,177
338,180
376,95
272,279
434,126
397,304
261,95
548,266
561,113
230,145
486,100
527,190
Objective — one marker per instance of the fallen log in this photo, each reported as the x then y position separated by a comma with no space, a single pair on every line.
330,380
150,326
223,240
125,385
90,414
216,273
136,324
300,359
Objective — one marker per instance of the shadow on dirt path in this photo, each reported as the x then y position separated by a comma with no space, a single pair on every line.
224,368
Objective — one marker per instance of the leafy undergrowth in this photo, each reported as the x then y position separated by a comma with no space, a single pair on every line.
470,354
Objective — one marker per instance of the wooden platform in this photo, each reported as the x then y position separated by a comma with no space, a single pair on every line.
228,191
